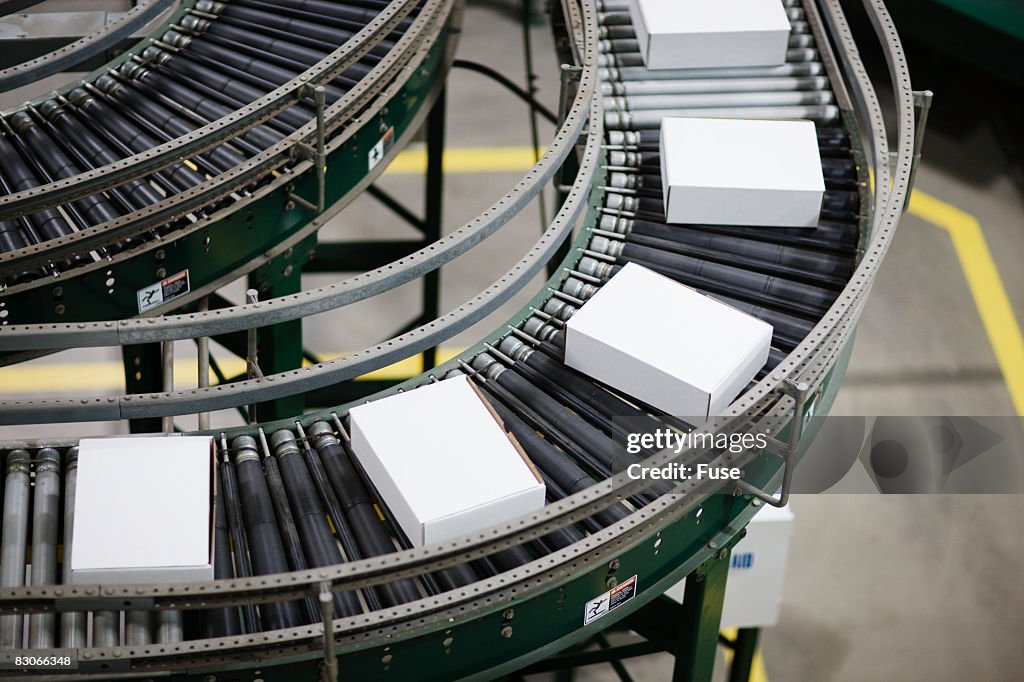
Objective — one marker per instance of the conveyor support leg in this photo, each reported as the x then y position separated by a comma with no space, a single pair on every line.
143,373
434,211
744,649
701,618
280,345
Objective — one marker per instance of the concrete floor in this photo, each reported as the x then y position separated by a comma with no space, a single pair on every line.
894,588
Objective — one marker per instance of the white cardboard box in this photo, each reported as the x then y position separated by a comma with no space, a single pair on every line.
442,462
741,172
757,571
143,510
687,34
666,344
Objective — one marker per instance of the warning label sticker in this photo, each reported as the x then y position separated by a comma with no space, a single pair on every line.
163,291
376,154
609,601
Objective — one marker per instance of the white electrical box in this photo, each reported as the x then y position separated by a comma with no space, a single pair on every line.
442,461
144,510
719,171
757,571
687,34
666,344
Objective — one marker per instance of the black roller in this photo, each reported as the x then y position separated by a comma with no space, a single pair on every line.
814,276
800,297
282,52
265,547
319,31
235,93
260,68
582,388
129,135
511,558
582,440
221,622
286,524
233,509
171,93
339,524
221,157
94,209
358,507
448,578
828,235
49,223
564,472
346,15
588,437
805,260
96,154
311,521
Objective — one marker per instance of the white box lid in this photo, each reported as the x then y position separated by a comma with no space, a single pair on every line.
741,153
653,318
142,503
713,16
437,452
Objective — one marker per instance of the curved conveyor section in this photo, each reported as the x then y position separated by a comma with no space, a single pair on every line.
199,150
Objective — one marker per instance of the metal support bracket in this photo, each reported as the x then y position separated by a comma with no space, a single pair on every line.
800,392
326,600
570,78
316,153
922,105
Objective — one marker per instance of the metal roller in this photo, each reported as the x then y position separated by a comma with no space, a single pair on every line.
358,507
45,524
127,135
222,622
827,237
55,164
15,539
560,468
311,518
239,547
265,547
72,625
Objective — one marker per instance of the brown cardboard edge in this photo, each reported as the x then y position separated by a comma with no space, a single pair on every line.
511,439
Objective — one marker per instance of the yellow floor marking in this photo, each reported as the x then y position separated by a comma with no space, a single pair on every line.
757,669
466,160
105,376
985,284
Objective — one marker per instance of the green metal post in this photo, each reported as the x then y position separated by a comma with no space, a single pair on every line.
701,617
744,649
280,345
434,211
143,373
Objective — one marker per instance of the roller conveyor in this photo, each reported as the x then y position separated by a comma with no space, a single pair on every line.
209,61
295,500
